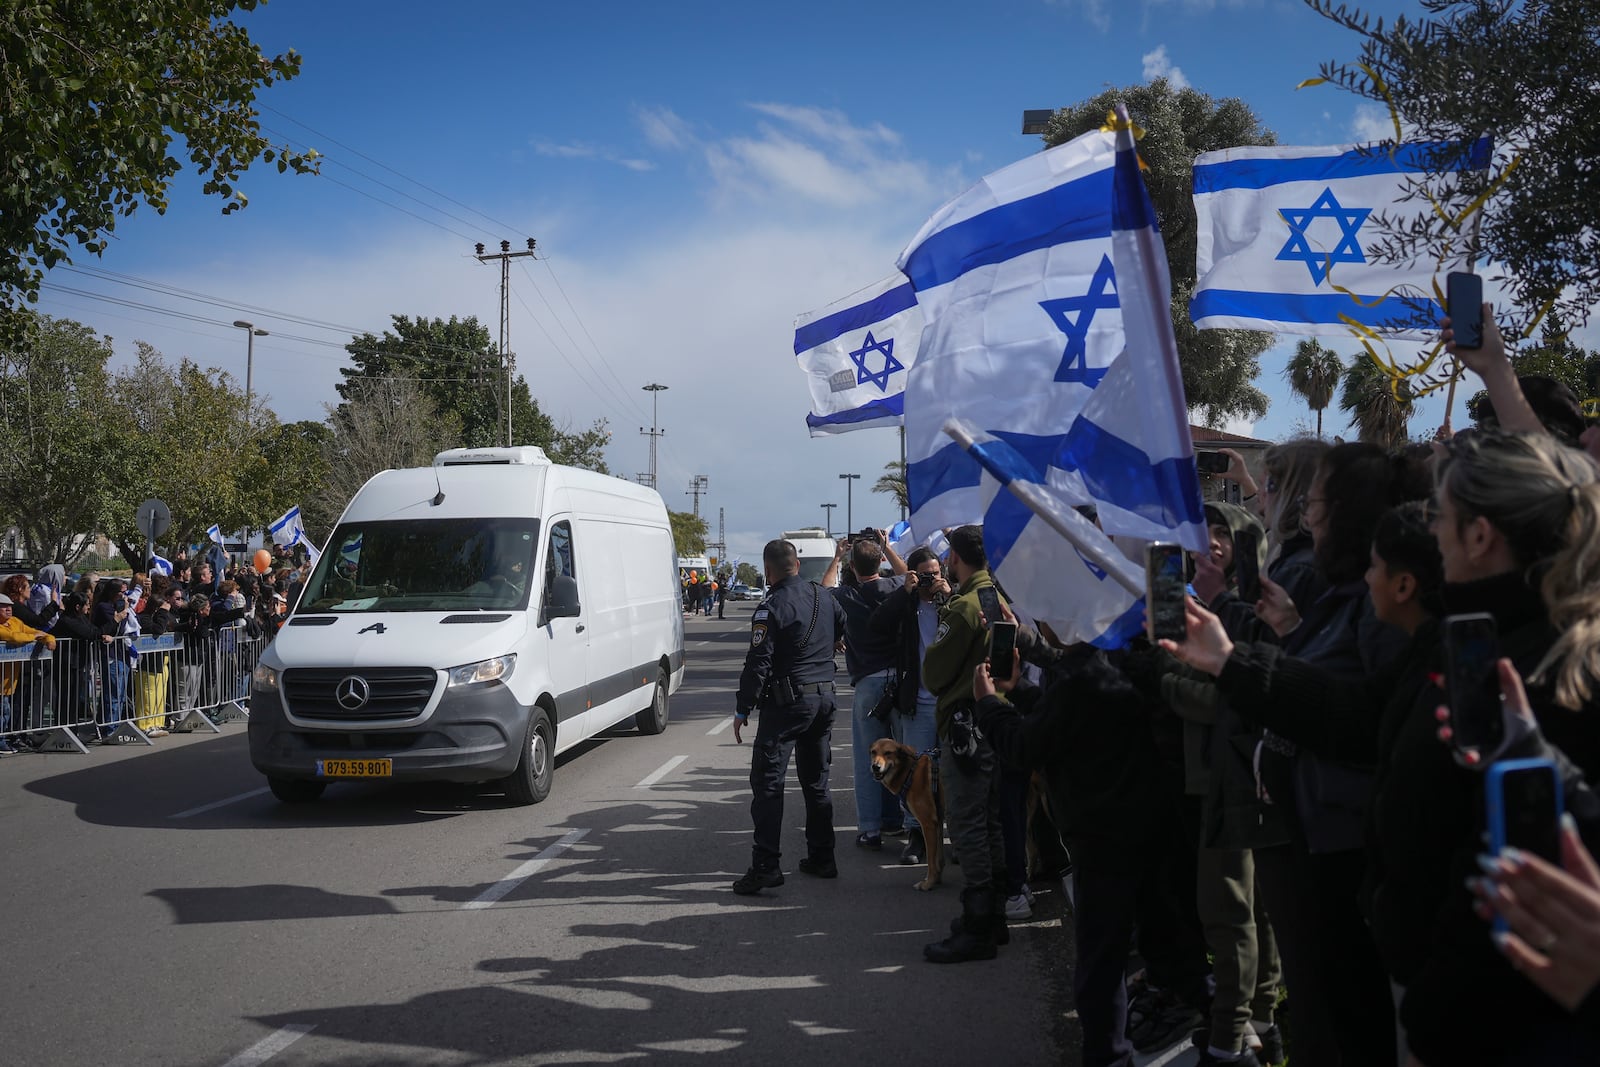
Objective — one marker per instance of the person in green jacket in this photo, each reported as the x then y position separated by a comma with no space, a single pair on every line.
967,773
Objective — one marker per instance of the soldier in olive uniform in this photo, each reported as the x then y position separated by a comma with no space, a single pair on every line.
788,675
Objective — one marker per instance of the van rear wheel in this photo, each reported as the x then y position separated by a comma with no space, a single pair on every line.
530,782
653,720
296,790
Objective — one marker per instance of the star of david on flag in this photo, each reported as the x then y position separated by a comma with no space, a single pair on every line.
1279,242
885,348
855,353
1298,246
1073,315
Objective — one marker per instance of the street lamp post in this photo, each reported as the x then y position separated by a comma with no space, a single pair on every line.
849,518
828,512
655,389
251,333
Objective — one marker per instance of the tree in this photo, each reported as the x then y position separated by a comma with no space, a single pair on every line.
384,423
1378,406
61,463
1555,356
458,368
748,574
892,482
296,453
1313,375
1218,365
95,95
1524,73
689,532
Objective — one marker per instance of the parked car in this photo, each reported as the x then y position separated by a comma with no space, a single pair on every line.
740,591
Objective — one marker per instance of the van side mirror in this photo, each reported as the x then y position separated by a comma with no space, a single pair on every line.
561,598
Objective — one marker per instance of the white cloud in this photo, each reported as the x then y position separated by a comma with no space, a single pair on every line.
1093,11
1158,64
584,150
1371,122
663,128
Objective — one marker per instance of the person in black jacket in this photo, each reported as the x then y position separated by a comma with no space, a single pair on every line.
1090,734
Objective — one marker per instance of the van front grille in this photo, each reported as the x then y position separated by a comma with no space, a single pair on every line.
391,693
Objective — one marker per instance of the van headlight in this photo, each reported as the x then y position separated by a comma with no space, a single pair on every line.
488,670
265,677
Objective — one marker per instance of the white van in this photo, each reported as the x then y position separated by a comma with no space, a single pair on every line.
467,622
815,549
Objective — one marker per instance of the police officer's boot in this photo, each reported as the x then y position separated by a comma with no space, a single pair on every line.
975,939
916,850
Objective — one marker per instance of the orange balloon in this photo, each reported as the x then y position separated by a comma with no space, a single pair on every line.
263,560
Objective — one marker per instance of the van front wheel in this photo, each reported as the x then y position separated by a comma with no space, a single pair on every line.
296,790
530,782
653,720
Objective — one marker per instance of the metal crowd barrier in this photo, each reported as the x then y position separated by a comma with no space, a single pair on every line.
125,687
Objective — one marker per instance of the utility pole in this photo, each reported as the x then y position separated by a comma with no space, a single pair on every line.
721,544
829,513
505,256
699,485
655,390
849,518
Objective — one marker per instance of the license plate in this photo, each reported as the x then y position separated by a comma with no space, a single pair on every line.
355,768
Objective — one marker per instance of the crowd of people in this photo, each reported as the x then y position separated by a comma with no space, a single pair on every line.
703,592
97,678
1275,810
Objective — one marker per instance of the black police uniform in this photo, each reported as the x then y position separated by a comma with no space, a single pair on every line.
788,676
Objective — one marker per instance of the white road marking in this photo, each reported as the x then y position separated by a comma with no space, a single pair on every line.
215,804
271,1045
721,726
505,885
661,772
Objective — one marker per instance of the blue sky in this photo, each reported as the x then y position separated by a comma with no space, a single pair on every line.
696,175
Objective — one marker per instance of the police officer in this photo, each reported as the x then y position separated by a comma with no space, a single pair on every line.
788,675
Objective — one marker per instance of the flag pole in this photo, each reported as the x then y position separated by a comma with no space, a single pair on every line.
1064,522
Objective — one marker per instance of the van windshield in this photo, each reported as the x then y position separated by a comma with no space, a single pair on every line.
812,568
424,565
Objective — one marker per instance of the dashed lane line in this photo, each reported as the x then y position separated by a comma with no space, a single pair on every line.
271,1045
215,804
498,891
661,772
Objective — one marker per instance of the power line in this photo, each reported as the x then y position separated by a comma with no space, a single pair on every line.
603,361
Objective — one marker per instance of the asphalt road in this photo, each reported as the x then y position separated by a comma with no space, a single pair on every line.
160,907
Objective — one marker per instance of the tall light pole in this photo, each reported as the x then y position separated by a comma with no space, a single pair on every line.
655,389
828,512
849,519
505,256
250,335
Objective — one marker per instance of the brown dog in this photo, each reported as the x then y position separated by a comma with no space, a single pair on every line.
909,775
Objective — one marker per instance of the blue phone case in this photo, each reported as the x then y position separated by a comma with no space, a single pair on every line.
1494,804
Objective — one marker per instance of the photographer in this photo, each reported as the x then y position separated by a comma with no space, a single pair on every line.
869,658
910,617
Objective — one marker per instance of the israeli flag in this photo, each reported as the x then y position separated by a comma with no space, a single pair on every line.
856,353
1285,235
160,565
288,530
1022,320
214,534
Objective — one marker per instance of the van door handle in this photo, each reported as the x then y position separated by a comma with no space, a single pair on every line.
578,629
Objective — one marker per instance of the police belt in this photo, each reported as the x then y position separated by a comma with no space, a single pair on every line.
790,692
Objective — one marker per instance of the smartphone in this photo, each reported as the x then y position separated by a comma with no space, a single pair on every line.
1164,588
1464,302
1002,644
989,601
1210,462
1523,803
1472,682
1247,564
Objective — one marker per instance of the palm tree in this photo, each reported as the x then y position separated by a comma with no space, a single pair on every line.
893,483
1313,374
1378,405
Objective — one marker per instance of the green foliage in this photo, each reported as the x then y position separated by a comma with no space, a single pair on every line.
1555,356
1313,374
1376,406
893,483
689,532
1218,365
100,99
457,367
748,574
1523,72
61,464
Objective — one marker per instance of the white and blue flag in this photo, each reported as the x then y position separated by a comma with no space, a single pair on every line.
288,530
160,565
214,534
1286,233
1021,321
1128,452
856,353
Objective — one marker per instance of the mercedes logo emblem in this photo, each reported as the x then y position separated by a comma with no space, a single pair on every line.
352,692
